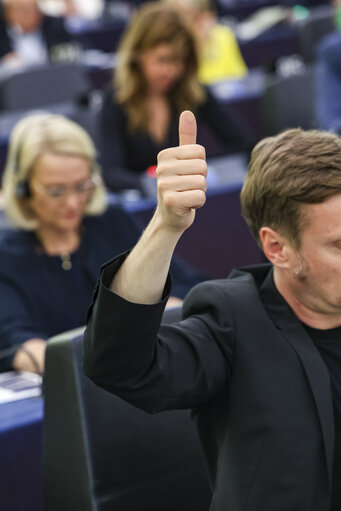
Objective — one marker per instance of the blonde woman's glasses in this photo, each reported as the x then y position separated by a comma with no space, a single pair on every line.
60,192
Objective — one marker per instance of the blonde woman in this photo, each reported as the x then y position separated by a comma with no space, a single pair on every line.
155,79
64,232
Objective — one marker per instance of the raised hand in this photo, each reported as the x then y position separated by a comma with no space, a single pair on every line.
181,175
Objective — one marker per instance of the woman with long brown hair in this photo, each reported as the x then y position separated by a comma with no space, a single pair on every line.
155,79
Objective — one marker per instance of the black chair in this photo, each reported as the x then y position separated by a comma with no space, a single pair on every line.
319,23
289,102
103,454
44,85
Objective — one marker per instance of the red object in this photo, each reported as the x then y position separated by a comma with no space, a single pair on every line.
151,171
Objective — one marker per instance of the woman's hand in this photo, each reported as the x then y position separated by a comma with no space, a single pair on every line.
31,356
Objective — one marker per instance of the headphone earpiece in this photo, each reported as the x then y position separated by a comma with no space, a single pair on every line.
22,189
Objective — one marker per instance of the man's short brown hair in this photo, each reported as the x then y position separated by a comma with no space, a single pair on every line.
293,168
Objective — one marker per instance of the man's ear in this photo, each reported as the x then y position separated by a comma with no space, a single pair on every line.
275,246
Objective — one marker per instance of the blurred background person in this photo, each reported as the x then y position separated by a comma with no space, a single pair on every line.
64,231
27,36
154,80
219,55
328,83
85,9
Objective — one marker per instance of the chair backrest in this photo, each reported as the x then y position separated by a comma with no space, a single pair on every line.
103,454
289,102
319,23
43,85
101,36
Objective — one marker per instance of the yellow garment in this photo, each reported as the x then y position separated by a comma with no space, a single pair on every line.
221,57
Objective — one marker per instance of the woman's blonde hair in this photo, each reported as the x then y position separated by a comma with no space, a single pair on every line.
154,24
33,136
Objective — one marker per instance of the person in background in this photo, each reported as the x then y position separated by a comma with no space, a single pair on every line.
220,56
64,231
328,83
87,10
155,78
28,37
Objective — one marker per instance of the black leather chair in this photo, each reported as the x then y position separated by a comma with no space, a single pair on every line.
103,454
42,86
289,102
319,23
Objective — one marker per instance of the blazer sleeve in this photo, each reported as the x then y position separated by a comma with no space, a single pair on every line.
154,367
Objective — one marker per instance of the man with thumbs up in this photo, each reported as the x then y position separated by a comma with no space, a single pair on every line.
257,355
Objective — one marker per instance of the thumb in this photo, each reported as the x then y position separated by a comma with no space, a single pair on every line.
187,128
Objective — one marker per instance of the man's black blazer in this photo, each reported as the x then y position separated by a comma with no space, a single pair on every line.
259,389
52,29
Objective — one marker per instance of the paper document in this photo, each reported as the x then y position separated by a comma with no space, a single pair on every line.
15,385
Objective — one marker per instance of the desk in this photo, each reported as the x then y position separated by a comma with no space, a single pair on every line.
245,98
264,50
100,34
21,473
273,43
242,9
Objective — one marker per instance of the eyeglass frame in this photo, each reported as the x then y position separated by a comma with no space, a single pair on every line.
44,189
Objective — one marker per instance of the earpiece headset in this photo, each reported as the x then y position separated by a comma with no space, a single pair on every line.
22,188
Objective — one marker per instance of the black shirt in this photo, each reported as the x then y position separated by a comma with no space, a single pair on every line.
328,342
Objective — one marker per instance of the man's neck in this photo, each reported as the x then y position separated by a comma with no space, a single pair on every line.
300,304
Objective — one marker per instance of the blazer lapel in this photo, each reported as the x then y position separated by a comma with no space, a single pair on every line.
314,367
316,372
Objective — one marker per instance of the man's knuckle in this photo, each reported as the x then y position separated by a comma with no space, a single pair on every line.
201,151
161,155
203,182
203,166
168,200
201,197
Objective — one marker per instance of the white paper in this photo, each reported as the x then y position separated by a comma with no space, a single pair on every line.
16,385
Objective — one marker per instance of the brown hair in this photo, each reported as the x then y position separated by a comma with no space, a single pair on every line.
293,168
152,25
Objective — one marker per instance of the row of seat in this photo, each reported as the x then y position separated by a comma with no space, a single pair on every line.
283,101
103,454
